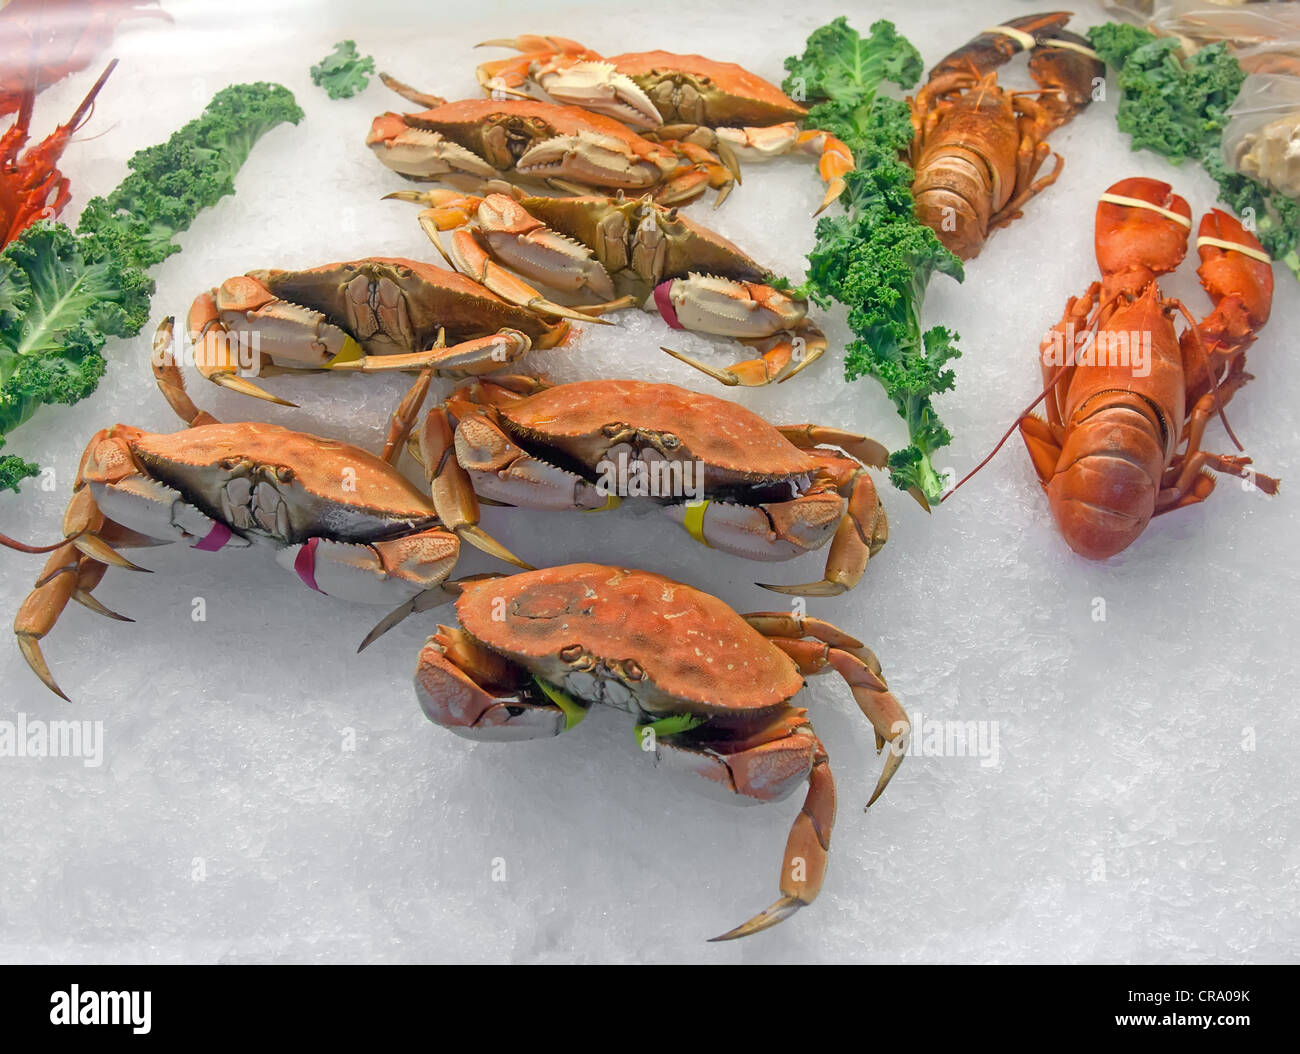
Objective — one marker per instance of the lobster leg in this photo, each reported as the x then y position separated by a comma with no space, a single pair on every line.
1191,483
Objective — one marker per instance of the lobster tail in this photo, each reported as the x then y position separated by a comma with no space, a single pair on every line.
1106,496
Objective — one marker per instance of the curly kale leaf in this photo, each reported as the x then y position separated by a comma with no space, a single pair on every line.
59,303
877,259
171,183
840,72
343,72
1178,108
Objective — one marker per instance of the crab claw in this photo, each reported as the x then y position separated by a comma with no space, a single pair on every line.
599,87
421,153
589,158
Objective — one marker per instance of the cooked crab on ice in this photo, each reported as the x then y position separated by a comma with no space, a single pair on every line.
764,492
343,520
479,143
710,690
625,252
369,316
672,98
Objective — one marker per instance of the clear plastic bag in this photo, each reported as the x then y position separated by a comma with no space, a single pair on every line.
1262,138
1263,37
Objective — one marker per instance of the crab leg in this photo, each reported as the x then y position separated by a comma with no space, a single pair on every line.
860,535
452,487
768,766
860,669
834,158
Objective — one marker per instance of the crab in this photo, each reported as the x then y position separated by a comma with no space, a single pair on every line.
628,253
368,315
672,98
710,689
343,520
762,492
477,143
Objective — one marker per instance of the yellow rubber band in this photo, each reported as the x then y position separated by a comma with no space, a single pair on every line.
693,521
612,501
1248,250
1070,45
1022,38
350,352
1138,203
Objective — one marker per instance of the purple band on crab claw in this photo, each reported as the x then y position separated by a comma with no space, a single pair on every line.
305,564
214,539
665,304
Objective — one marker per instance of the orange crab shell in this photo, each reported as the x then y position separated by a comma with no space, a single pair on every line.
718,432
326,482
694,652
734,95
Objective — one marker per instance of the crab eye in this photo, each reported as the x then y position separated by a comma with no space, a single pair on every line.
611,430
670,441
284,474
572,653
632,670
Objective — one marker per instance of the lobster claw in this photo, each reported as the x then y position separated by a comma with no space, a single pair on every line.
1141,233
1239,282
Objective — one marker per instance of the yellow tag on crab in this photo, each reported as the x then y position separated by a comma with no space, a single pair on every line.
693,521
350,352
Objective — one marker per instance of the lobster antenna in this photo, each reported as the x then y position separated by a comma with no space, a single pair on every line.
1069,362
1015,424
1214,378
22,547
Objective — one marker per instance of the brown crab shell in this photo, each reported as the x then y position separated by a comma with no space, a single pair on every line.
717,432
330,488
435,297
734,95
689,246
694,653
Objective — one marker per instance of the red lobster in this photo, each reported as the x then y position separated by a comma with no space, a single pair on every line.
43,41
1118,445
31,186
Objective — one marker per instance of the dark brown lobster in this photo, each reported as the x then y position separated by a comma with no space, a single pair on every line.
977,148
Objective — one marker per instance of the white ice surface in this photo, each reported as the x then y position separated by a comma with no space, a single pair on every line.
228,822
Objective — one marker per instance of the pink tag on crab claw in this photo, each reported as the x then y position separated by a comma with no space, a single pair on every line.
305,563
214,539
665,304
